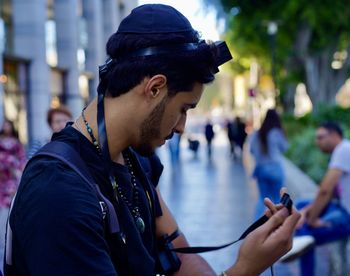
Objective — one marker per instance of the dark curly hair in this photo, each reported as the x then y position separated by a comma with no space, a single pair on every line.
182,69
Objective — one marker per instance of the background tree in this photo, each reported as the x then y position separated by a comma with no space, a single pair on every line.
312,42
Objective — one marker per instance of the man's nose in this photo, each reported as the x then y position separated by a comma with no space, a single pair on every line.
180,126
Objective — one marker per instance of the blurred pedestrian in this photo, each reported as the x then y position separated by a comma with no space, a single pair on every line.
267,145
12,161
209,136
174,148
231,134
240,134
326,218
57,118
193,145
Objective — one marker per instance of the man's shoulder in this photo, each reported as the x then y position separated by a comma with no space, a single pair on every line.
343,148
53,179
55,209
51,188
46,166
340,157
345,144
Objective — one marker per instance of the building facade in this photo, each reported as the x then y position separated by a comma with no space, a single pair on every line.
50,51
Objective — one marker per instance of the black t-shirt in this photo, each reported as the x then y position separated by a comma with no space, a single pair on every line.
57,222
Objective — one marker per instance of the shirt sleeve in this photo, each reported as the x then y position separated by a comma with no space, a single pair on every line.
341,158
57,224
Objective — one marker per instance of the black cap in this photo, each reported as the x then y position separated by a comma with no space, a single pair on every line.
154,18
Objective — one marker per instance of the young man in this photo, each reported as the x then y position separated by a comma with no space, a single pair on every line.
155,74
326,218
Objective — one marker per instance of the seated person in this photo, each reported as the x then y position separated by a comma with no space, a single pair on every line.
326,218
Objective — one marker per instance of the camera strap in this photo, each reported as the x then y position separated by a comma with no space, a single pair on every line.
285,200
202,249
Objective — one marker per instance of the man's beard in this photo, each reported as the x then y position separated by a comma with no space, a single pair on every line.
150,129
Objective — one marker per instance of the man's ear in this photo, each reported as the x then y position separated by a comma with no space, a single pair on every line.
155,85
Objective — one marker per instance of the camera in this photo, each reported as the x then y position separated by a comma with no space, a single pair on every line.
168,259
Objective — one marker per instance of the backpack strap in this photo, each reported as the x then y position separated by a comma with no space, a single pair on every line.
67,154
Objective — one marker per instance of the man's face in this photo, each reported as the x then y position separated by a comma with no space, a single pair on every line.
59,121
167,117
325,139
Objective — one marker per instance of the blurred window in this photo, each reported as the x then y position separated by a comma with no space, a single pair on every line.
58,86
15,82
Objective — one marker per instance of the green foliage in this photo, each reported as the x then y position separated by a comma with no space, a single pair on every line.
327,22
332,113
306,155
301,135
248,25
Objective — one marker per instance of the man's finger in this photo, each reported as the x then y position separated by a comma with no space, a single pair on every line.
290,223
275,221
270,205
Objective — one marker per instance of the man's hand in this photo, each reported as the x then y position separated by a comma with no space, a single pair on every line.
317,223
268,243
303,216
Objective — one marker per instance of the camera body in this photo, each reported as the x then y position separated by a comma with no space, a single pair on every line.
287,202
168,259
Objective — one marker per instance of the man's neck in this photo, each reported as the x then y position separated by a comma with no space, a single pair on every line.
337,142
116,135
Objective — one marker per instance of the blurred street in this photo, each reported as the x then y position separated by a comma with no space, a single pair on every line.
213,202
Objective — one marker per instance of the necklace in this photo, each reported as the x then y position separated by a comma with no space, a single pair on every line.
89,130
140,224
118,192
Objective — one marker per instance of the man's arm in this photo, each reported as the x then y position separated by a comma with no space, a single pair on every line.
261,249
324,195
191,264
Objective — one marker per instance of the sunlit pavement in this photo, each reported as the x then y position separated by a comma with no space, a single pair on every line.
212,201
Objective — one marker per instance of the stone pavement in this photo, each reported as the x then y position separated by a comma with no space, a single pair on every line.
213,202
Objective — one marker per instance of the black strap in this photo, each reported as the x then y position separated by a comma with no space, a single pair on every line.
102,132
202,249
70,157
169,49
285,200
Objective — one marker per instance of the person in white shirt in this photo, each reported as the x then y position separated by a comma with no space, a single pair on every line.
326,218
